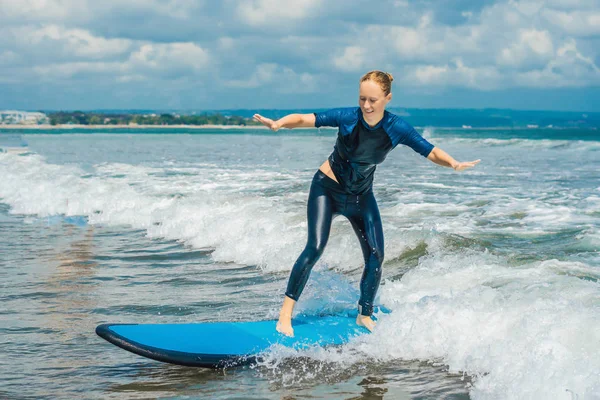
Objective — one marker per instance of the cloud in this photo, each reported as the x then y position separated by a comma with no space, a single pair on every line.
572,4
237,49
86,10
72,42
454,74
32,46
532,47
19,11
569,68
576,23
89,56
283,80
273,12
353,58
528,7
390,46
171,57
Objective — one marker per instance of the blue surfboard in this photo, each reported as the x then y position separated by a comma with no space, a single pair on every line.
226,344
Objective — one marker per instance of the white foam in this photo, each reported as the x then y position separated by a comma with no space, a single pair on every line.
520,332
528,332
210,210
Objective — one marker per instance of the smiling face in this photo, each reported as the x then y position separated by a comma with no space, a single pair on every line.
372,101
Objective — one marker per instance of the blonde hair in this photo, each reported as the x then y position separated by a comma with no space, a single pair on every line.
384,79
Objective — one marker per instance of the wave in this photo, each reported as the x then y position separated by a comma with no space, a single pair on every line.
523,331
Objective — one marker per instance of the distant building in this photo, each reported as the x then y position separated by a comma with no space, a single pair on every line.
11,117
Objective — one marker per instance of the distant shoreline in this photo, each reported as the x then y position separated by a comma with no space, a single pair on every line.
78,126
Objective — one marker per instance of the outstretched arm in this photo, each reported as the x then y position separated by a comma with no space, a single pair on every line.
442,158
289,121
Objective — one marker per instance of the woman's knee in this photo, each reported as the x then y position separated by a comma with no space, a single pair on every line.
375,257
314,250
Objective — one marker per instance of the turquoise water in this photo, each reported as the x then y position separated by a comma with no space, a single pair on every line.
492,274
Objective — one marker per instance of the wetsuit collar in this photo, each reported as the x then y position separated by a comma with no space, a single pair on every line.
366,125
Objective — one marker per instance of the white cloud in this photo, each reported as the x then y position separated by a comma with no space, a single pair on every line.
502,17
284,79
454,74
408,41
528,7
169,57
180,9
572,4
274,12
48,44
532,46
78,11
569,68
353,58
171,61
48,10
491,50
77,42
176,9
309,45
431,74
577,23
486,77
428,42
263,74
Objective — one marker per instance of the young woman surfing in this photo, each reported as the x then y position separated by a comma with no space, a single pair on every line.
343,185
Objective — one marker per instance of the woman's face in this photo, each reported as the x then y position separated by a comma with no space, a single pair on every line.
372,100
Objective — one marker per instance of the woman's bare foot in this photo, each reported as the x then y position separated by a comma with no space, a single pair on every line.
284,325
366,321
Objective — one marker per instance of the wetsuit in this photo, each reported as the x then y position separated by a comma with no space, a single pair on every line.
357,151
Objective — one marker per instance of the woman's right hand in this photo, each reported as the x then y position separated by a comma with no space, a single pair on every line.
268,122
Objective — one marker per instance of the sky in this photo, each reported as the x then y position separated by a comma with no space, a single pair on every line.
298,54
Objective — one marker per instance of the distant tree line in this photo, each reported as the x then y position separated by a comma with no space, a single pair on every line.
88,118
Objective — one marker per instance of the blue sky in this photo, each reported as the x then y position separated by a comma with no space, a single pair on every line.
184,54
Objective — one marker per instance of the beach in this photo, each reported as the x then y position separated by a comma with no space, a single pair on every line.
129,126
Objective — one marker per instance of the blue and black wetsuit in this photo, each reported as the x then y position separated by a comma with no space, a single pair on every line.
357,151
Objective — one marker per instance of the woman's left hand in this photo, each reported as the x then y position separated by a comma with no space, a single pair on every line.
268,122
465,165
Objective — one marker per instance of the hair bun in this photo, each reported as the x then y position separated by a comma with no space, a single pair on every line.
383,79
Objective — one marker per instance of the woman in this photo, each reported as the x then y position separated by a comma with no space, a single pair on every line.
343,185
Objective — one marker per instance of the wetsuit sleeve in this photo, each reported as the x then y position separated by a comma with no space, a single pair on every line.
330,117
405,134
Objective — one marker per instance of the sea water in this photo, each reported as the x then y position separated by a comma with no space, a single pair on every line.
491,274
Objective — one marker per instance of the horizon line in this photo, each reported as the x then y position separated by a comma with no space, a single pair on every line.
296,109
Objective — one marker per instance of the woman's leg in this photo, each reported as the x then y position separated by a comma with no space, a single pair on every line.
320,214
366,222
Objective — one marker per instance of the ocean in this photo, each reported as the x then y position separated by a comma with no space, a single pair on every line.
492,274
